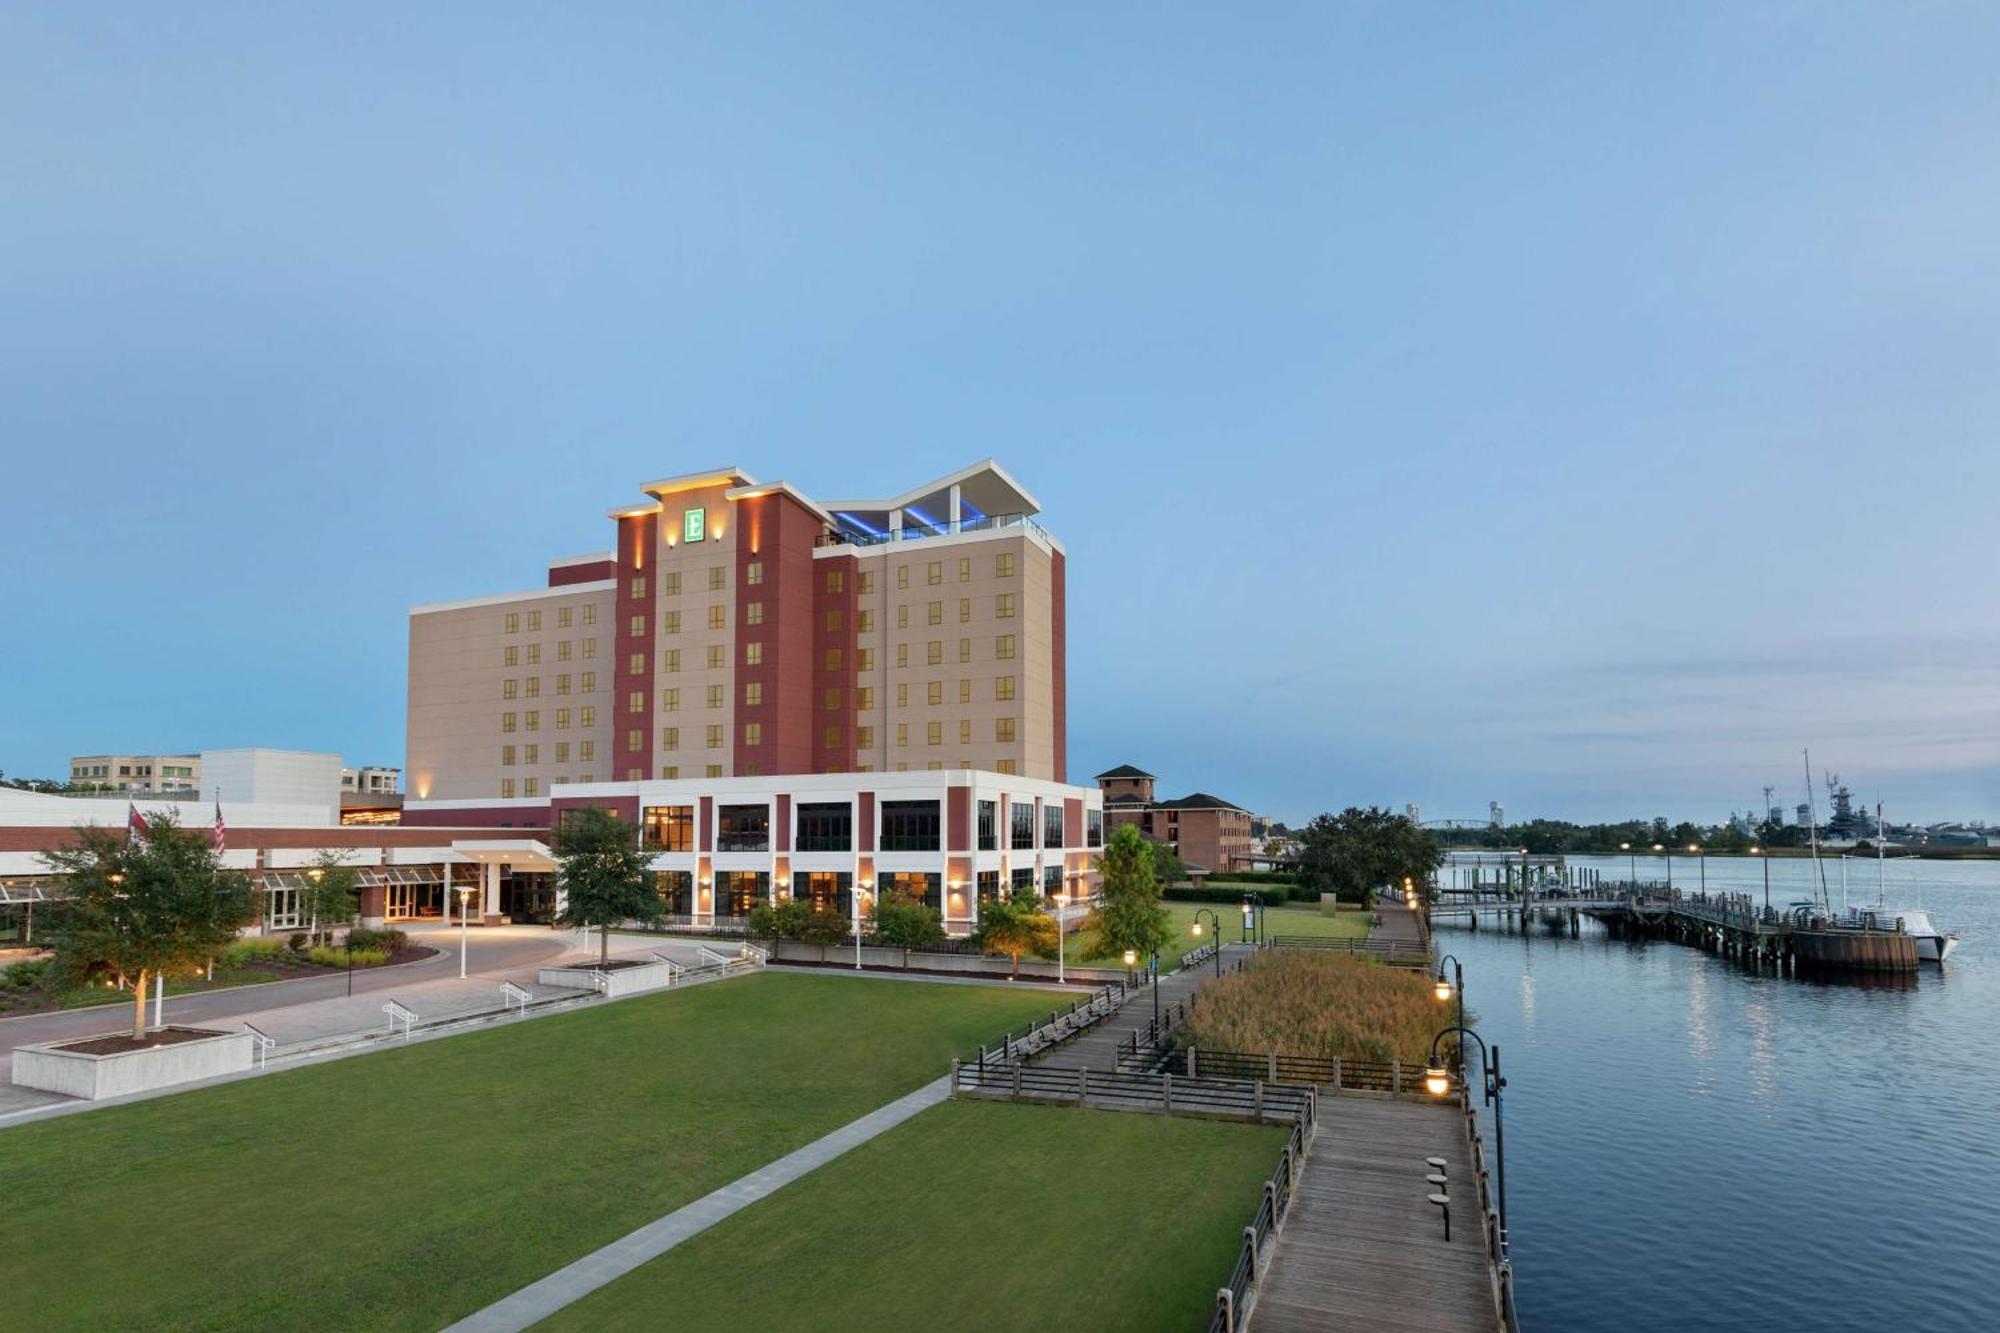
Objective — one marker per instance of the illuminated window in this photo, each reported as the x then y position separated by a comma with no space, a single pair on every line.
589,682
510,655
934,733
670,583
965,569
718,616
835,736
714,770
934,572
867,581
671,661
562,719
669,772
835,620
670,738
902,734
965,734
635,702
902,654
753,654
1003,565
670,700
753,733
635,664
507,756
715,697
587,716
864,737
589,649
836,580
1003,729
864,659
1003,605
589,617
672,623
586,750
507,721
903,616
965,690
1003,647
934,652
753,573
965,650
716,575
864,698
506,789
534,620
715,736
866,622
510,689
753,693
902,694
715,662
902,576
531,754
636,627
635,741
534,687
833,659
513,622
1003,688
638,586
753,613
562,617
562,651
935,692
1003,766
964,610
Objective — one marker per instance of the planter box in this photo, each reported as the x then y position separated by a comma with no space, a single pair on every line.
93,1077
619,980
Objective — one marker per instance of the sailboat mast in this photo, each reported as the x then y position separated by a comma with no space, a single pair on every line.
1812,827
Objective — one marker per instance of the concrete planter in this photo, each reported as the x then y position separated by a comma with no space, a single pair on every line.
618,981
94,1077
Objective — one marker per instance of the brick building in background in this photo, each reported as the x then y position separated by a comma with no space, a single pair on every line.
739,629
1206,832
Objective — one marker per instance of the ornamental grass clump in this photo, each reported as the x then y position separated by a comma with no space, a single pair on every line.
1322,1005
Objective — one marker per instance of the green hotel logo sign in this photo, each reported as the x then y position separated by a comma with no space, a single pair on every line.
694,525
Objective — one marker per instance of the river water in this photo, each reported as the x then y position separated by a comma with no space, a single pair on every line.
1692,1145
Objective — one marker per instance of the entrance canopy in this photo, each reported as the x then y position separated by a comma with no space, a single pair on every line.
522,854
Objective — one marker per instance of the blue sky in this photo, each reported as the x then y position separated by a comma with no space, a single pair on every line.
1578,406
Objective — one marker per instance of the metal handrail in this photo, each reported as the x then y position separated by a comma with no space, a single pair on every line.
266,1043
400,1013
512,994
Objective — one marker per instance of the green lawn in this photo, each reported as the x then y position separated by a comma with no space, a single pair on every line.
409,1187
968,1217
1290,919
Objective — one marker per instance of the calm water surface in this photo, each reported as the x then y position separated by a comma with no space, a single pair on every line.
1691,1145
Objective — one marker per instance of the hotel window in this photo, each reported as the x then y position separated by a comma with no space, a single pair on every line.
672,622
934,652
638,586
513,622
934,693
965,735
715,696
589,649
965,691
506,789
534,687
753,693
636,627
635,702
835,619
506,721
1021,827
864,659
562,752
935,764
510,655
589,684
934,572
715,662
934,613
531,754
1003,606
1093,828
562,651
902,734
934,733
835,735
670,738
1005,766
965,650
753,613
586,751
1003,566
1003,729
989,836
667,771
507,756
903,617
635,741
910,826
902,576
672,660
864,698
670,700
965,569
865,622
832,698
715,736
902,654
826,826
964,610
534,620
902,694
587,716
633,773
531,787
753,733
1003,688
753,654
836,580
718,616
716,575
635,664
562,719
833,659
510,689
713,771
589,618
667,828
562,617
864,738
1003,647
1052,825
867,582
670,583
753,573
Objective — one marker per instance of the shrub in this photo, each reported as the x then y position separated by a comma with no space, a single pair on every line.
1254,877
385,941
902,924
24,975
1226,893
296,941
326,955
1324,1005
262,949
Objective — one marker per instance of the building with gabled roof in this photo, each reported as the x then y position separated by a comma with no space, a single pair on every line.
1207,832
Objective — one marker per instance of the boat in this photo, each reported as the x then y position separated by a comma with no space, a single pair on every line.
1933,945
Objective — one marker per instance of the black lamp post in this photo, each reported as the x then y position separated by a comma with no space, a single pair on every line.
1215,925
1437,1082
1758,852
1701,859
1456,986
1670,868
1632,859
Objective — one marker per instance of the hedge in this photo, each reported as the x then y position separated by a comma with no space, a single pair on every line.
1254,877
1223,893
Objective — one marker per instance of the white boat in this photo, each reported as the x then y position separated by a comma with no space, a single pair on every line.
1933,945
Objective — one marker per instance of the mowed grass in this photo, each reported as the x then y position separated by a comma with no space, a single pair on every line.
407,1188
1290,919
969,1216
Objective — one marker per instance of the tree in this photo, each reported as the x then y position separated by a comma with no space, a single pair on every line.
1168,868
823,927
146,906
1130,915
602,875
1014,926
1356,852
904,922
331,885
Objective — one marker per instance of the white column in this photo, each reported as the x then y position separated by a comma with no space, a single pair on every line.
956,509
490,874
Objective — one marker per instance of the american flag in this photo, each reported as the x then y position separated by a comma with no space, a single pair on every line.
221,833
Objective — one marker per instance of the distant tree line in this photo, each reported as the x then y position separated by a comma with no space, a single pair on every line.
1549,837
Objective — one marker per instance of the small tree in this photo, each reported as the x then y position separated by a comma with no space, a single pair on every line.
904,922
1131,916
602,874
331,886
146,906
823,927
1014,926
1168,868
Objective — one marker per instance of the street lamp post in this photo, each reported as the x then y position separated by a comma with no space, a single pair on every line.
1670,868
1701,859
1456,986
1437,1082
1632,859
1758,852
464,934
860,891
1214,924
1131,963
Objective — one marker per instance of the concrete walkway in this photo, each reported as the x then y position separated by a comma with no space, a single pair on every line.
1400,925
537,1301
1098,1047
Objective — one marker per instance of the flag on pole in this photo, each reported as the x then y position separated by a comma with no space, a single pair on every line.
135,823
221,833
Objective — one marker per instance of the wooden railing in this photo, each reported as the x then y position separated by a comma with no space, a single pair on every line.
1232,1299
1150,1039
1169,1094
1394,1077
1041,1034
1396,952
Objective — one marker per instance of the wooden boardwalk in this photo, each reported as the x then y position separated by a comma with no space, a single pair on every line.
1098,1048
1361,1248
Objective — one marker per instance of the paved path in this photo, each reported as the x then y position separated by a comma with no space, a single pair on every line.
1361,1248
1098,1047
566,1285
1400,925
